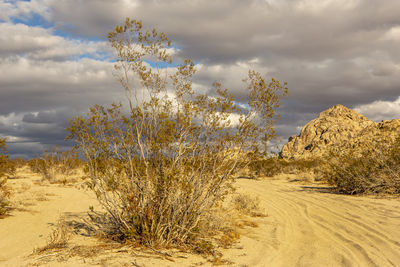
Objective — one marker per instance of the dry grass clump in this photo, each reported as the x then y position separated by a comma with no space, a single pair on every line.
217,230
275,165
58,239
248,205
54,166
374,170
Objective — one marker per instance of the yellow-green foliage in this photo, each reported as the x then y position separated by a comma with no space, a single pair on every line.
365,172
160,164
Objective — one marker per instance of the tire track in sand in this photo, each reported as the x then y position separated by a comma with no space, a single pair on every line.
313,228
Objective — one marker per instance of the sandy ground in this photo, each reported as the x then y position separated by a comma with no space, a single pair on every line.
306,226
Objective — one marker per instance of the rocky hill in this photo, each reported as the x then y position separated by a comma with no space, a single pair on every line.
339,128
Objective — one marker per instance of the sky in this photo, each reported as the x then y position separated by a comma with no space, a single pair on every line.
55,60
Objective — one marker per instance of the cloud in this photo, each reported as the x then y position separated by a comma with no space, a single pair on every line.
40,43
7,10
32,85
380,110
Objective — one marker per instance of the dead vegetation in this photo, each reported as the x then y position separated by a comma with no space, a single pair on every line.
58,239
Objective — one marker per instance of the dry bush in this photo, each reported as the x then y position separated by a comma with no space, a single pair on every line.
4,193
7,169
275,165
246,204
159,165
54,163
249,206
374,170
58,238
19,162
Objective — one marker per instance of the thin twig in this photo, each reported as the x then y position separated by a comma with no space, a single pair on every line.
49,255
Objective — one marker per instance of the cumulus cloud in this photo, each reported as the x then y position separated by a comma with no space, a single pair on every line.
7,10
40,43
381,110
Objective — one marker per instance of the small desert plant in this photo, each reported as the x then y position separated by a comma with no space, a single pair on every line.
376,169
6,169
247,205
159,165
58,238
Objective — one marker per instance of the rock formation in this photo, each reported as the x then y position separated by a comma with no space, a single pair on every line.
339,128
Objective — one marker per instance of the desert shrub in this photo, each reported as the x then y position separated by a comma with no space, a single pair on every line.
6,169
19,162
374,170
54,162
247,205
274,165
3,197
159,164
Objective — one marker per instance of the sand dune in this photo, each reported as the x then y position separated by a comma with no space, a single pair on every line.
306,226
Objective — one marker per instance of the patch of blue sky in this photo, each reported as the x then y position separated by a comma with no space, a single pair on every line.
65,31
95,56
162,65
32,19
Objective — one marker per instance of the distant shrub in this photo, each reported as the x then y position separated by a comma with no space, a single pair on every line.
275,165
19,162
54,162
374,170
6,169
3,197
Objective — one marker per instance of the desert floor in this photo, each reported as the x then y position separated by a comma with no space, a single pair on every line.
306,225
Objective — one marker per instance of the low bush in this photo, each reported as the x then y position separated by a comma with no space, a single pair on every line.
374,170
4,193
246,204
6,170
19,162
275,165
54,162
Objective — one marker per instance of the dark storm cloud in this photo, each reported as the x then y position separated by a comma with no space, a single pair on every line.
31,85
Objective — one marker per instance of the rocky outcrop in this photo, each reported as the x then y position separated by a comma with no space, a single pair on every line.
338,128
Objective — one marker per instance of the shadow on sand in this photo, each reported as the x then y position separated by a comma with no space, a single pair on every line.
320,189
